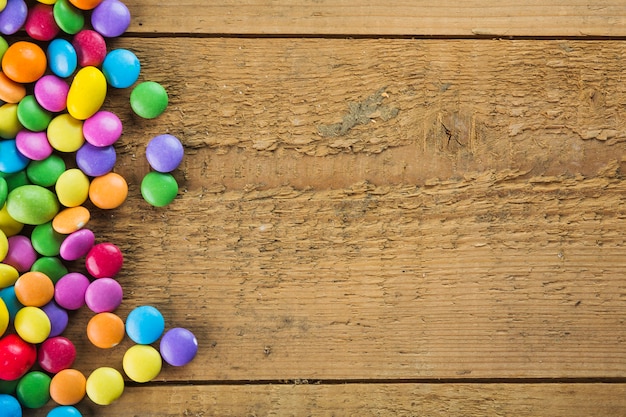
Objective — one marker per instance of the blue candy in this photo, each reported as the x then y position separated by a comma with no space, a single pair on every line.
64,411
10,299
144,325
62,58
10,406
121,68
11,160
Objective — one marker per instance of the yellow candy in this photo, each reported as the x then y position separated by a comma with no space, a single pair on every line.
32,324
9,123
87,93
3,4
47,1
8,275
65,133
105,385
72,188
142,363
8,224
4,245
4,317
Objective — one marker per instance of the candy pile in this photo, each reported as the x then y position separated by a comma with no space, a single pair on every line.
57,155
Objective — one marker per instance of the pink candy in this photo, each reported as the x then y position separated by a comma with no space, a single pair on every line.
51,93
33,145
40,23
102,129
90,48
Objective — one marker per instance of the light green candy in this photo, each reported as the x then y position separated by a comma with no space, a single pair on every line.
32,204
149,99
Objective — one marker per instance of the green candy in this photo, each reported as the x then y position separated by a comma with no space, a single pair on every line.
51,266
159,188
4,45
32,204
148,99
70,19
47,171
32,116
4,191
46,241
15,180
33,390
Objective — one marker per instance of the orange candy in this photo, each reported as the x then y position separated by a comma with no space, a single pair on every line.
34,289
85,4
10,91
108,191
105,330
70,220
68,387
24,62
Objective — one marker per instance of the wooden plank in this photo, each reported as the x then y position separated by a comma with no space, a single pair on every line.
369,17
368,400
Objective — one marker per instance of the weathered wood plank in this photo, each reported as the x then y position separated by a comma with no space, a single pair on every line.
368,400
368,17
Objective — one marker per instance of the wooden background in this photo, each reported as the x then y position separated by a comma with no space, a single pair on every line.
386,208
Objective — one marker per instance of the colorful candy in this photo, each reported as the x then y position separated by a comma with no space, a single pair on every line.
159,188
142,363
144,325
178,346
164,153
68,387
16,357
104,385
33,390
148,99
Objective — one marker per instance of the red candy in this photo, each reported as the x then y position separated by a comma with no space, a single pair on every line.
104,260
91,48
16,357
56,354
40,23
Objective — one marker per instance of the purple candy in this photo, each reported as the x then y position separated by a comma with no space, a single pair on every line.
102,129
33,145
110,18
95,161
77,244
178,346
69,291
164,153
21,254
51,93
104,295
58,318
13,16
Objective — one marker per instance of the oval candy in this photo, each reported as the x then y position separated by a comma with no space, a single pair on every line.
87,93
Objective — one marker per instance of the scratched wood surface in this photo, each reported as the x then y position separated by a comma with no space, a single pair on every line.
379,226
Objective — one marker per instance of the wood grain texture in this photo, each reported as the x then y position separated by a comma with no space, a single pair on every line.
368,17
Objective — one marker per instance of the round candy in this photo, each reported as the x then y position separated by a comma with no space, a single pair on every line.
34,289
4,317
24,62
31,115
108,191
144,325
110,18
87,93
51,266
164,153
20,254
47,171
4,245
33,390
178,346
69,292
51,93
45,240
62,58
159,188
142,363
69,18
68,387
96,161
4,192
8,275
9,123
10,406
104,260
90,48
148,99
58,318
16,357
104,385
10,91
13,16
85,4
16,180
40,24
104,295
56,354
64,411
71,219
105,330
33,145
32,324
72,188
65,133
32,204
102,129
77,244
10,300
121,68
11,160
